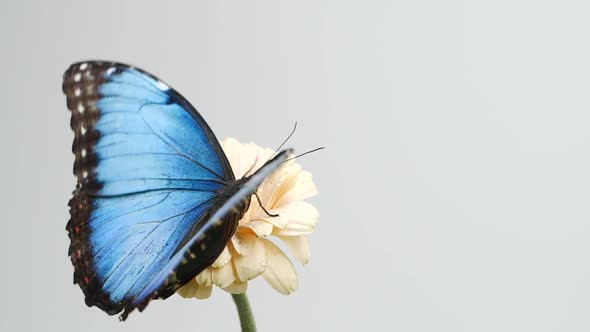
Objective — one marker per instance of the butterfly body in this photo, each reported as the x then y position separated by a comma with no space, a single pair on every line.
156,200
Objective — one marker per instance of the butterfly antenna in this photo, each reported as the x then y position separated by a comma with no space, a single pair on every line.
284,142
304,153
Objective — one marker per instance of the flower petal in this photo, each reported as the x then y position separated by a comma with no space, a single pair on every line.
278,184
244,157
251,265
205,278
298,246
203,292
302,187
302,219
260,227
189,289
193,289
279,221
243,242
237,288
279,272
223,276
223,258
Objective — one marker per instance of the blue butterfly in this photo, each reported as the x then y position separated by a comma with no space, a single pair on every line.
156,200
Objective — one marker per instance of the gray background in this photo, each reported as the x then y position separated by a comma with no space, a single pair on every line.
453,193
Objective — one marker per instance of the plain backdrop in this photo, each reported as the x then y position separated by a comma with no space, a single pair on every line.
454,188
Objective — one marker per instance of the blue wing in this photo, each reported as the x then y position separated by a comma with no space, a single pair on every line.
149,170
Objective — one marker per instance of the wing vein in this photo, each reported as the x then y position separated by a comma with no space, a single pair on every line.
177,150
147,235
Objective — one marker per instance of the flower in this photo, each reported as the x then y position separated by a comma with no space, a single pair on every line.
251,253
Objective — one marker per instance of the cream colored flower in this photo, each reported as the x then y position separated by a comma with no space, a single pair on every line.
251,252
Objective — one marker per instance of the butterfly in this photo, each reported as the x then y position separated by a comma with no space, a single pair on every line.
156,200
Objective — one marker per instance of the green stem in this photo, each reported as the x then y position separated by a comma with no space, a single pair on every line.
245,312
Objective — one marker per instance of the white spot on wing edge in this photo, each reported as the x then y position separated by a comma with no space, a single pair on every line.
77,77
83,66
110,71
162,86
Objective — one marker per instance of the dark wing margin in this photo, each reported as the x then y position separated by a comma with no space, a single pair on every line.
79,252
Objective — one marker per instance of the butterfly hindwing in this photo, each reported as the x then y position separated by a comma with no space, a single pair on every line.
149,170
119,243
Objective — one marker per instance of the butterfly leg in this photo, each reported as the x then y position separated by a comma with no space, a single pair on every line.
263,208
